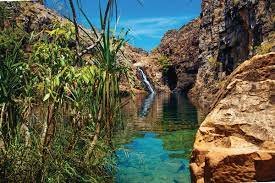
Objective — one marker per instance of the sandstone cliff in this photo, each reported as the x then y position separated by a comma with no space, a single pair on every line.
181,47
236,142
230,32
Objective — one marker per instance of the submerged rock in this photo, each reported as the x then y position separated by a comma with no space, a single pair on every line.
236,142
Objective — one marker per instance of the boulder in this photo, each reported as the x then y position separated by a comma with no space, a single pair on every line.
236,141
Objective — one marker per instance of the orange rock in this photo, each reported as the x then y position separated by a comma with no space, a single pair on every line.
236,141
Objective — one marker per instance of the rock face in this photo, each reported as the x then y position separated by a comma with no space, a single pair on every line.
236,142
230,30
182,49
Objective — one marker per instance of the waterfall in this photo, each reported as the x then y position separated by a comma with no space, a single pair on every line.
145,80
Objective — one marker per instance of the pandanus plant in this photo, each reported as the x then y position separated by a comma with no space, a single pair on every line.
106,50
94,86
13,73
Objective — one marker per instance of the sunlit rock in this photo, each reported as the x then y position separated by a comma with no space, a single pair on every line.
236,142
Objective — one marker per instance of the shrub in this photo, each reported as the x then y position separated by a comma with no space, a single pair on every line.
49,151
265,47
154,50
236,2
165,63
213,62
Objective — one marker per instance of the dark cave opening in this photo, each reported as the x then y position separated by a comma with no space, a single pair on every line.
170,77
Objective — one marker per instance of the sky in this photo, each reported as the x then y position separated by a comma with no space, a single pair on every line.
148,20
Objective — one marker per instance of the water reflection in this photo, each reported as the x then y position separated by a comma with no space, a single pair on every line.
157,140
166,112
146,105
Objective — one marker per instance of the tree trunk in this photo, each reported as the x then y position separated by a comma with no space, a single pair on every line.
93,143
48,128
2,116
76,28
2,144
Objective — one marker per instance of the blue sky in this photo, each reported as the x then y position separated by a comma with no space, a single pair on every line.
147,22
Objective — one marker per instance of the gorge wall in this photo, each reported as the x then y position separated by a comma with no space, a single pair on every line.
235,143
209,48
181,47
230,31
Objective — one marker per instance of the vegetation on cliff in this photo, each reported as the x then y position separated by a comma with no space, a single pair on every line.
165,63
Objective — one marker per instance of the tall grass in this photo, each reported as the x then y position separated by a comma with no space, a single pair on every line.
58,111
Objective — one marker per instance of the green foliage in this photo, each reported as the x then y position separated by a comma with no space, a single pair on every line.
50,76
213,62
5,14
12,70
154,50
236,2
11,41
106,58
13,80
61,34
265,47
22,163
19,162
165,63
53,61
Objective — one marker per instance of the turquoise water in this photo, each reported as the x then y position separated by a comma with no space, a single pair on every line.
157,140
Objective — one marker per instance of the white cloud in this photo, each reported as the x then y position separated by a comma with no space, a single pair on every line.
153,27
